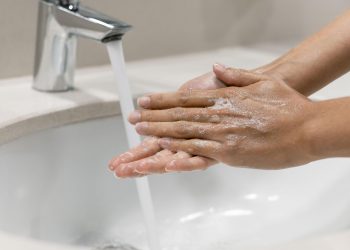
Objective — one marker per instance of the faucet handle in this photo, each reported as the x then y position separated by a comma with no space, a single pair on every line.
70,4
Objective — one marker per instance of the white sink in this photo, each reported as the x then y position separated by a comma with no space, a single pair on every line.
57,194
55,187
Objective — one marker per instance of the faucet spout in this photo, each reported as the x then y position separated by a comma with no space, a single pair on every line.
60,22
91,24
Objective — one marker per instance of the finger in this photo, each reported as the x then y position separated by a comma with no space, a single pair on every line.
236,77
191,164
157,165
130,169
206,81
179,114
187,98
180,129
205,148
125,171
147,148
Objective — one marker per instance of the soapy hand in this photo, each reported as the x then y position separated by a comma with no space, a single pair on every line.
149,155
149,158
261,125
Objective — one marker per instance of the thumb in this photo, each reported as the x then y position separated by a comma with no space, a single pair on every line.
236,77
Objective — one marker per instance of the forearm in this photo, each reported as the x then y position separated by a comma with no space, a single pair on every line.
318,60
329,129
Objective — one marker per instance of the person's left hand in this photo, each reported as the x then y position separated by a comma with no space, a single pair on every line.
149,157
262,125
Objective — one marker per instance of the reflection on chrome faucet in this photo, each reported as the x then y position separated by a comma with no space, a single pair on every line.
59,24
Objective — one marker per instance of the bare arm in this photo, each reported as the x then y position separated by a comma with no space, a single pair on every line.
329,130
318,60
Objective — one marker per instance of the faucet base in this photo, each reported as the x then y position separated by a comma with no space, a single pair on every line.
57,32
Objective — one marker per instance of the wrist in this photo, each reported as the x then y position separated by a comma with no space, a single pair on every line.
288,71
312,132
327,130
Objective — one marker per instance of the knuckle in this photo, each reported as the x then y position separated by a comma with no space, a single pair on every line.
183,129
191,150
227,128
145,115
215,118
202,130
157,98
267,128
231,140
174,146
177,113
238,73
233,143
234,74
263,126
198,117
184,96
199,145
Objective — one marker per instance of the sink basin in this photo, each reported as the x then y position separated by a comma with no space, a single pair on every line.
55,189
57,194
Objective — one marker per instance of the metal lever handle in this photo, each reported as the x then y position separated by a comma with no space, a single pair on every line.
70,4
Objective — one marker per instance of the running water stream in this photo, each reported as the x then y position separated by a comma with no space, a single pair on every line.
115,50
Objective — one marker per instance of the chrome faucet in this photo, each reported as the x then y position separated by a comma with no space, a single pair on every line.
60,22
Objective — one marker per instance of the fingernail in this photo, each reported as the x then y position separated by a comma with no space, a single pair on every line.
110,164
113,164
144,101
135,117
121,170
111,167
117,175
219,67
141,127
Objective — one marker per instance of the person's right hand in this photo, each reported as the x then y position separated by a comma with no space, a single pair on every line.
149,152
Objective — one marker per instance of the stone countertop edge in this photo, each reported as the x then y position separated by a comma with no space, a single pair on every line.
19,118
30,120
38,122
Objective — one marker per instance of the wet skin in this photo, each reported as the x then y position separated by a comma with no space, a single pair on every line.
265,119
150,154
242,115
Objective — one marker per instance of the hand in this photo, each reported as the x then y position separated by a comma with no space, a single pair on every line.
148,155
149,158
260,126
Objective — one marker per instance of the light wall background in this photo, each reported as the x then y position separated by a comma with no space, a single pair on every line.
166,27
